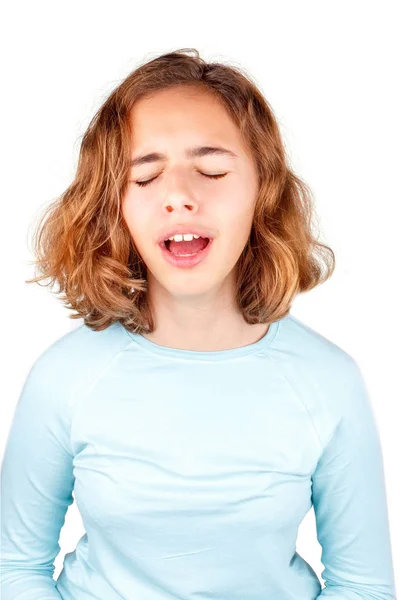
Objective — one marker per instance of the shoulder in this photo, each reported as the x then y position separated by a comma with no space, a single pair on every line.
73,360
308,349
326,376
82,343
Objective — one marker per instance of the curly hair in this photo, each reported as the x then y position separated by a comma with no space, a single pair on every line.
82,241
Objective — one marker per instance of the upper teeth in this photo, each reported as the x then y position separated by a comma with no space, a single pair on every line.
187,237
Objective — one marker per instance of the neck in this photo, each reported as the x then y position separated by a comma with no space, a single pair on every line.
201,324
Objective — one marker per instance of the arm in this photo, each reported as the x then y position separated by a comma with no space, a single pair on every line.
36,485
349,497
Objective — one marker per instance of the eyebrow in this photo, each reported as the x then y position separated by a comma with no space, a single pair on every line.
194,152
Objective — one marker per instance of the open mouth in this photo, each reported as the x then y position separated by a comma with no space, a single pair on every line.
186,248
186,254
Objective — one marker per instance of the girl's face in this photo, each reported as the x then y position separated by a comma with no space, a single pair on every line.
168,123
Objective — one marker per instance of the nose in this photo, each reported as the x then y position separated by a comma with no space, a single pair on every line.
179,204
179,196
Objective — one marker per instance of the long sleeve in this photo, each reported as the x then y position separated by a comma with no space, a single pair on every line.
36,484
349,497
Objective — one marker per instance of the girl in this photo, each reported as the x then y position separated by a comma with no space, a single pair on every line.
193,417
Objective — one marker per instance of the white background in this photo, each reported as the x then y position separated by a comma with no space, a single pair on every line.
329,70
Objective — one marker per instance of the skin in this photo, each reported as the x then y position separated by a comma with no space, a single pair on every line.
194,308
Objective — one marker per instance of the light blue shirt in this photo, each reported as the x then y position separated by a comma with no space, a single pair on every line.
192,471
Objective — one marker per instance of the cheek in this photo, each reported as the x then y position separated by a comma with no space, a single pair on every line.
239,200
234,241
137,219
239,229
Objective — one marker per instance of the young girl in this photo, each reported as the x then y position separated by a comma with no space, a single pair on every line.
195,420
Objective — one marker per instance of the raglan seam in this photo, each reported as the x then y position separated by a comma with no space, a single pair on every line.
314,427
88,385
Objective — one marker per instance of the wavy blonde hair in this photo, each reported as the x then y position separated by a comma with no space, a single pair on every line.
83,243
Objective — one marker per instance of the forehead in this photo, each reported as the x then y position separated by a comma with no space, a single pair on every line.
183,114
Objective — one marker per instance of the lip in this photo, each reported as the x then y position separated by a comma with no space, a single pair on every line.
186,261
202,232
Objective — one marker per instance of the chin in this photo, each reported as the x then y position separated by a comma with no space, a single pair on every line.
184,287
183,292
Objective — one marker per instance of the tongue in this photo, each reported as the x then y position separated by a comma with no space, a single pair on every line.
196,245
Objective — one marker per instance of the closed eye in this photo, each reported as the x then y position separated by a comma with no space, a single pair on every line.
148,181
